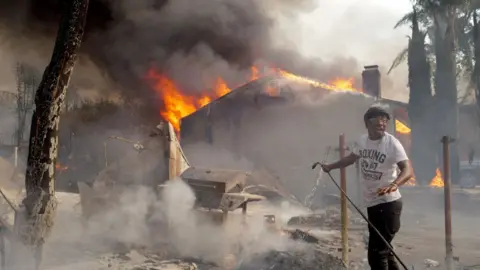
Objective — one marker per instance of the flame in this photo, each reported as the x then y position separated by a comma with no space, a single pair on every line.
401,128
177,104
60,168
437,180
411,182
337,84
255,74
271,91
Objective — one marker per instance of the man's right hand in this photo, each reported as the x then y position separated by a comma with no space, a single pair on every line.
325,167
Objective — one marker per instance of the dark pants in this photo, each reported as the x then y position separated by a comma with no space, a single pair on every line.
386,218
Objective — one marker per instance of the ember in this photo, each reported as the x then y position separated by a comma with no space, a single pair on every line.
177,104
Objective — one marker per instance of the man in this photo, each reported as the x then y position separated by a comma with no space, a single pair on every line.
380,155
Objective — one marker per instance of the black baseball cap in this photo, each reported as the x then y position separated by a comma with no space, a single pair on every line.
375,111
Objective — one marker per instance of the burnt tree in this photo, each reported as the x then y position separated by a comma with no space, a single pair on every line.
36,216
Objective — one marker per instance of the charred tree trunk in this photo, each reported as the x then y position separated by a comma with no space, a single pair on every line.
420,107
39,205
446,97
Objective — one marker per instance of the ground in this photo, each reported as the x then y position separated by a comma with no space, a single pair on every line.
421,237
422,234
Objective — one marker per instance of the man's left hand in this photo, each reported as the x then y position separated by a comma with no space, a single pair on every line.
386,190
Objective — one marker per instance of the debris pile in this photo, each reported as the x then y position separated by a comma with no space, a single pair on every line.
293,260
138,261
328,218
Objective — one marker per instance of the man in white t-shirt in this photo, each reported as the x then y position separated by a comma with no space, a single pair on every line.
380,154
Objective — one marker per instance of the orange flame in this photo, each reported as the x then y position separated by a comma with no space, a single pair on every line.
60,168
401,127
335,85
437,180
177,104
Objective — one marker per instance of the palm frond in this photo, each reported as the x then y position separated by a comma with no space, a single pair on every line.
423,18
401,57
405,20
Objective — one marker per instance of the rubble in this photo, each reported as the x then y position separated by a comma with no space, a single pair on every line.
329,217
304,236
137,261
429,263
316,219
300,258
293,260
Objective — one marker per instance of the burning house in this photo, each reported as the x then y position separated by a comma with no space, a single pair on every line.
283,123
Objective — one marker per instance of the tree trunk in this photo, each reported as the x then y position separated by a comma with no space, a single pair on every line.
39,206
419,107
445,83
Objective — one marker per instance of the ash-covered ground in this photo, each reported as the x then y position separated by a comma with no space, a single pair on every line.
144,232
135,234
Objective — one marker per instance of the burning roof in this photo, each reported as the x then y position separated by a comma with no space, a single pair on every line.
177,103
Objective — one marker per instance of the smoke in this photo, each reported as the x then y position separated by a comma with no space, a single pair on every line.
194,43
136,217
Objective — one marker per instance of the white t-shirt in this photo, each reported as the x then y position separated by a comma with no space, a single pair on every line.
378,166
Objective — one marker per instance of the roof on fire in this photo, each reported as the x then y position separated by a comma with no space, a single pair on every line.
254,91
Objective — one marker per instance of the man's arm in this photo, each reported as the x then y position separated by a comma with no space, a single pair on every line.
342,163
406,172
401,158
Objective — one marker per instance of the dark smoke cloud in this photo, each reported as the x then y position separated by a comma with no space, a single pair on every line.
193,41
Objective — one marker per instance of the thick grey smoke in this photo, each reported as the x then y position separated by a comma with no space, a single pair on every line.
193,42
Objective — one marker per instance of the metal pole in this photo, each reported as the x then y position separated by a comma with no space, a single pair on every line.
448,211
344,214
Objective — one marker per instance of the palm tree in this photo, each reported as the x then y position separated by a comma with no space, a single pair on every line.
444,23
35,218
420,59
420,105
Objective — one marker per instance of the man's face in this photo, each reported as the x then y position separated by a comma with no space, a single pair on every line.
377,125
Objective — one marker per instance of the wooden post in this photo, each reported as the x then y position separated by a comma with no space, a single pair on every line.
448,207
16,157
344,214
